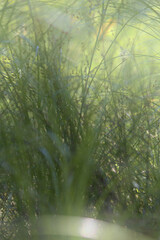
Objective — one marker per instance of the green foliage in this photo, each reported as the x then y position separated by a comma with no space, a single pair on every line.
79,111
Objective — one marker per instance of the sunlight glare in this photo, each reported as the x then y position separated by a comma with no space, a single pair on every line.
89,228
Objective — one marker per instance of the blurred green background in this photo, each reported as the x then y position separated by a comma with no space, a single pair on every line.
79,113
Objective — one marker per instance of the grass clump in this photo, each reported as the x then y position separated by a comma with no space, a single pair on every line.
79,107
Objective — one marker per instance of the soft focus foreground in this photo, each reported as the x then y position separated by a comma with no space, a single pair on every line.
62,227
79,116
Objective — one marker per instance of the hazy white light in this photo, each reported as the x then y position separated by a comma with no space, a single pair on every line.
89,228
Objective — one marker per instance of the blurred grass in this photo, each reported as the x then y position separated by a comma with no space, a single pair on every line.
79,112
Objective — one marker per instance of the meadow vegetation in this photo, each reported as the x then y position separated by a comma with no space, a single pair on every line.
79,112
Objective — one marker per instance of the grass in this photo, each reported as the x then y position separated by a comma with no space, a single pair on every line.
79,107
